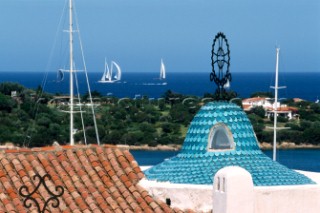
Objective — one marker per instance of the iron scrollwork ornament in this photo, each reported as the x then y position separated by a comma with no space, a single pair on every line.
220,62
30,200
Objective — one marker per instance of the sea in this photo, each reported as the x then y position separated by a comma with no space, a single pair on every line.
304,85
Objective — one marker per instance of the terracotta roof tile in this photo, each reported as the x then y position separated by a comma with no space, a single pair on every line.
94,178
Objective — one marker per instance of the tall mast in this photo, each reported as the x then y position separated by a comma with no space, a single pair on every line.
71,72
275,108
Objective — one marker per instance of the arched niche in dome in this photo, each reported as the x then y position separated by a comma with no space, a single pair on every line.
220,138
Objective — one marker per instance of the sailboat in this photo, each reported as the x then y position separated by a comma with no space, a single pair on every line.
162,72
227,85
60,76
108,76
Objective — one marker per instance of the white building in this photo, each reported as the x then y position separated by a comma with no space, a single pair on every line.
269,106
221,169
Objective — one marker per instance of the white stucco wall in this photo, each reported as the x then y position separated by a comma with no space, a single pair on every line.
233,191
240,195
285,199
183,196
278,199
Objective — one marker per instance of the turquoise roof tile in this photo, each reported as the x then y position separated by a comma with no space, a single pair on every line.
195,164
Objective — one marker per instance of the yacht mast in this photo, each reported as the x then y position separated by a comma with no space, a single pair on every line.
71,72
275,108
274,157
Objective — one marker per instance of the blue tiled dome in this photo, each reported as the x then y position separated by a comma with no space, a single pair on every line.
200,157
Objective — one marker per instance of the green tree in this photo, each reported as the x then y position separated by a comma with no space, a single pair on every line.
43,120
115,136
146,127
290,135
315,107
140,117
170,128
172,98
312,135
7,87
6,103
262,94
265,136
162,104
293,126
304,124
94,94
5,134
21,115
258,126
180,113
259,111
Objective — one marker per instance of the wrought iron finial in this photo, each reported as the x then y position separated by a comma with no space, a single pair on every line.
220,61
29,199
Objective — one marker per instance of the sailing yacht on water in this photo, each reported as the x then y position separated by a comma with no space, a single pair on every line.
108,76
162,72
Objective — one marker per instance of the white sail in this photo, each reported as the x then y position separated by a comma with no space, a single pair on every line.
118,71
162,71
227,85
60,75
106,74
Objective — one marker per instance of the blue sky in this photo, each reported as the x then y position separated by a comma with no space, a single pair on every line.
137,34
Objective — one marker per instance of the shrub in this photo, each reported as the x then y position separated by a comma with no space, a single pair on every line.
259,111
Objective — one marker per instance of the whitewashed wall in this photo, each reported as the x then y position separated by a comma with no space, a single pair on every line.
278,199
285,199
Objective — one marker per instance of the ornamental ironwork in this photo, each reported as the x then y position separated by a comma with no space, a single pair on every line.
220,62
29,200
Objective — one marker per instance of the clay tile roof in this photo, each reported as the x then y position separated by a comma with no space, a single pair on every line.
246,107
94,179
284,108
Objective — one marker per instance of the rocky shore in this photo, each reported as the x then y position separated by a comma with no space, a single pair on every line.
288,145
170,147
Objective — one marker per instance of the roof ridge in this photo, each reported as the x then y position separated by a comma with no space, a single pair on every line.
57,148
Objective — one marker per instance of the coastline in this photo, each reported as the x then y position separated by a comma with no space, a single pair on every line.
176,147
169,147
288,145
